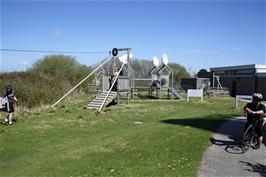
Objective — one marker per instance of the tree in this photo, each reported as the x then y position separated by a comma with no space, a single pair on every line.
142,68
203,73
179,71
60,67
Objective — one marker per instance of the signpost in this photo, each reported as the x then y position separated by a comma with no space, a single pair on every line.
195,93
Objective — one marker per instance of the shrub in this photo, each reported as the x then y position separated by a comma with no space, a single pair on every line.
47,80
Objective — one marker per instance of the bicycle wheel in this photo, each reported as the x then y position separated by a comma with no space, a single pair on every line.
248,138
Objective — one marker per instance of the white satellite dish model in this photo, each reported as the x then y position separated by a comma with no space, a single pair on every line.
156,61
165,59
124,58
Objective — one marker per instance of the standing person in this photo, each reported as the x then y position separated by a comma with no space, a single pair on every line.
115,79
10,99
255,110
116,72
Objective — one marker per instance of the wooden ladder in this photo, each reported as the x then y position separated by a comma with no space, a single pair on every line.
98,101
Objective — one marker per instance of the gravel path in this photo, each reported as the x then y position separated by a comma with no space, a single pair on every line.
224,158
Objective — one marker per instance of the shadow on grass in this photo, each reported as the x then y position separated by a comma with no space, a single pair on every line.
209,123
257,168
144,97
113,103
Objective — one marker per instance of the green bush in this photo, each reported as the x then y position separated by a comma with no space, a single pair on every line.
59,67
47,80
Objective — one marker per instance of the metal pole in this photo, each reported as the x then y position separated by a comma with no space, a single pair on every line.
128,60
81,82
172,84
213,79
236,102
160,87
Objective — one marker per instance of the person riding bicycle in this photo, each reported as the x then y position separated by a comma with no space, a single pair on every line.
255,110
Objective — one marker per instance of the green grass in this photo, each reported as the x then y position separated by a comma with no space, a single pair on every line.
73,141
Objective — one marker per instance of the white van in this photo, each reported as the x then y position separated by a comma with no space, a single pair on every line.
2,103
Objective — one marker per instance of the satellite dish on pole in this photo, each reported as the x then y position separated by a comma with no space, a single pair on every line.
155,61
165,59
124,58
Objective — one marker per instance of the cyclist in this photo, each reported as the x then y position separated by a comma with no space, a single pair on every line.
255,110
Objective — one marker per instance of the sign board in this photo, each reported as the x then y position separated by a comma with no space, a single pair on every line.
245,98
195,93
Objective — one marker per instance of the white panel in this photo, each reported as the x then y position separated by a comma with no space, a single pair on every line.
195,92
2,102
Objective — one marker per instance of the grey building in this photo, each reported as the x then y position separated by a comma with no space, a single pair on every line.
241,80
195,83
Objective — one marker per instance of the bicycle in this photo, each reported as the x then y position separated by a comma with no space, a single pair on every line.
249,138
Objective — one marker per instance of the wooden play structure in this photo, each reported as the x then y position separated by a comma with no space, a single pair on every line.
109,85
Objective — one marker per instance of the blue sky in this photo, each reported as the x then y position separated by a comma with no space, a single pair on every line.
195,34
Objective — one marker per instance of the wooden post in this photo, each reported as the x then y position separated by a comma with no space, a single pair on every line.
132,93
118,98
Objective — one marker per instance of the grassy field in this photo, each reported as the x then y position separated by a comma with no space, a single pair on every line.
142,138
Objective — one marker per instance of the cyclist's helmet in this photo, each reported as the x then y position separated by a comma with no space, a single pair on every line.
257,96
